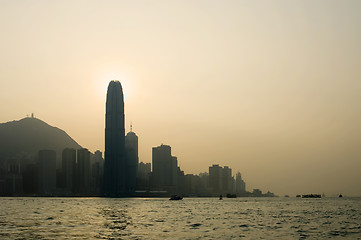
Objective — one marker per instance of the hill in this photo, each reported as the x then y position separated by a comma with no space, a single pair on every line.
29,135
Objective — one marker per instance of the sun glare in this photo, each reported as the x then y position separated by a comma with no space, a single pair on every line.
103,82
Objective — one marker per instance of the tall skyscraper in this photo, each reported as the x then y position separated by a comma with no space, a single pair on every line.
115,165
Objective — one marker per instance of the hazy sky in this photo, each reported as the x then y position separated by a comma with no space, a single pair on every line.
270,88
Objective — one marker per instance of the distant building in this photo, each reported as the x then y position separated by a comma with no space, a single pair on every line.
204,181
143,174
165,170
97,170
257,193
192,185
11,179
98,156
220,179
227,180
69,169
131,147
83,171
47,172
215,178
30,179
240,185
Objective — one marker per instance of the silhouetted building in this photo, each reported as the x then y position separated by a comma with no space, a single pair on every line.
215,178
227,180
143,174
47,172
131,145
220,179
30,179
115,166
192,185
240,185
97,170
83,171
204,184
69,169
257,193
180,181
165,169
11,180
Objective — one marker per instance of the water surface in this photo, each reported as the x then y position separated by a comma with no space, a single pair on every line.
190,218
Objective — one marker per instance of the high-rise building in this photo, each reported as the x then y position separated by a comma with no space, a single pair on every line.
220,179
165,169
227,180
83,171
97,171
240,184
143,174
68,167
215,178
131,146
115,165
47,172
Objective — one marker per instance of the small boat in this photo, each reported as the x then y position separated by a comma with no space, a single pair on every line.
231,195
311,196
176,197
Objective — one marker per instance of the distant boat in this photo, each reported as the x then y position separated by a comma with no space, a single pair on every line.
311,196
231,195
340,195
176,197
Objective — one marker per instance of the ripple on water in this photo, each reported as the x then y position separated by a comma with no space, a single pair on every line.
39,218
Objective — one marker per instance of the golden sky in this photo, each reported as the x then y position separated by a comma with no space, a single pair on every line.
270,88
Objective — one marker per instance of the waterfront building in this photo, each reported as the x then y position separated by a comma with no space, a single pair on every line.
83,171
68,169
131,146
227,180
47,172
220,179
115,165
165,168
143,174
97,170
240,185
215,178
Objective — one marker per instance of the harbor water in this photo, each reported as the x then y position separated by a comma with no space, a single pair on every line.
190,218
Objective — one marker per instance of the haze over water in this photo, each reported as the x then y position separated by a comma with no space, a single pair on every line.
192,218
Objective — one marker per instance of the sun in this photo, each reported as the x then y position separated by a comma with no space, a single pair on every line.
103,82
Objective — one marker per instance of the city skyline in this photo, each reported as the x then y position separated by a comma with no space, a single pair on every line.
269,88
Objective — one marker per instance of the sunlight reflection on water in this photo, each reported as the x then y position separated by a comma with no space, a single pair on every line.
191,218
